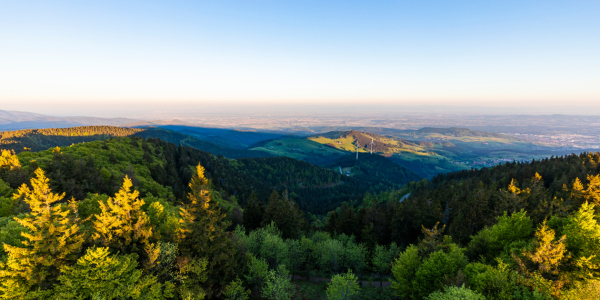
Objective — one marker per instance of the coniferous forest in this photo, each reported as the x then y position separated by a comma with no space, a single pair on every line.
130,217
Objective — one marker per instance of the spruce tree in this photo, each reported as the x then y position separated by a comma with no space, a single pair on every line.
253,213
202,234
286,215
123,224
8,160
52,241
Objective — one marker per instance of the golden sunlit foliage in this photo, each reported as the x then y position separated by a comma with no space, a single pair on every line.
122,222
53,239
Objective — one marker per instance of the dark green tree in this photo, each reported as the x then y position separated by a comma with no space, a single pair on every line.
203,235
253,213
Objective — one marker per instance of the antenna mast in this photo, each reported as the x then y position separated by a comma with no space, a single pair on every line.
357,145
371,146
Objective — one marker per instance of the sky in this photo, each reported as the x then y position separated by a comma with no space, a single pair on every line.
118,57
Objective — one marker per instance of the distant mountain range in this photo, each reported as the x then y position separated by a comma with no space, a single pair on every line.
16,120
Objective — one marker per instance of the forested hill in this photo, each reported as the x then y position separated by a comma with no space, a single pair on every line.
186,140
164,169
42,139
467,201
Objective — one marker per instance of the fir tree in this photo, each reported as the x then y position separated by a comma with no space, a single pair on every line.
286,215
123,224
253,213
202,234
52,241
8,160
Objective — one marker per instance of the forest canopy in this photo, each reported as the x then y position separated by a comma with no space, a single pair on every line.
154,220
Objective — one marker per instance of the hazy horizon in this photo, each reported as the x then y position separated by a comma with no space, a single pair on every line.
187,110
66,58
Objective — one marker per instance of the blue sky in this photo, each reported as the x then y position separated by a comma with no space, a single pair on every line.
68,55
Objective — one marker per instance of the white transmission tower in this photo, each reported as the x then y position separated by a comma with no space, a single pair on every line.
371,146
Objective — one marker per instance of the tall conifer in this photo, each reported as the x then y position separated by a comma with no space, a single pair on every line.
253,213
52,241
202,234
122,222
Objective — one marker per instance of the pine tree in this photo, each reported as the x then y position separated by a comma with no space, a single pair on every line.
286,215
548,253
253,213
52,241
8,160
202,234
592,193
123,224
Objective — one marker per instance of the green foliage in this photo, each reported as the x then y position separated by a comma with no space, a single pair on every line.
191,276
416,276
343,287
490,241
122,221
330,254
10,234
52,239
286,215
236,291
42,139
274,250
436,268
455,293
165,265
355,257
278,285
382,259
99,275
253,213
588,290
583,241
202,233
258,271
404,269
501,282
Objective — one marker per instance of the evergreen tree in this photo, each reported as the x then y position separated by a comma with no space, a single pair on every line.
9,161
546,256
123,224
253,213
286,215
202,234
52,241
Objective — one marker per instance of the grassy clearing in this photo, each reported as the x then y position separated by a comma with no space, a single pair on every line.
344,144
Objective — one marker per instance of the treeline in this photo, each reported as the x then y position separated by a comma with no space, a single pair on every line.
163,169
117,247
467,201
42,139
137,238
158,225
